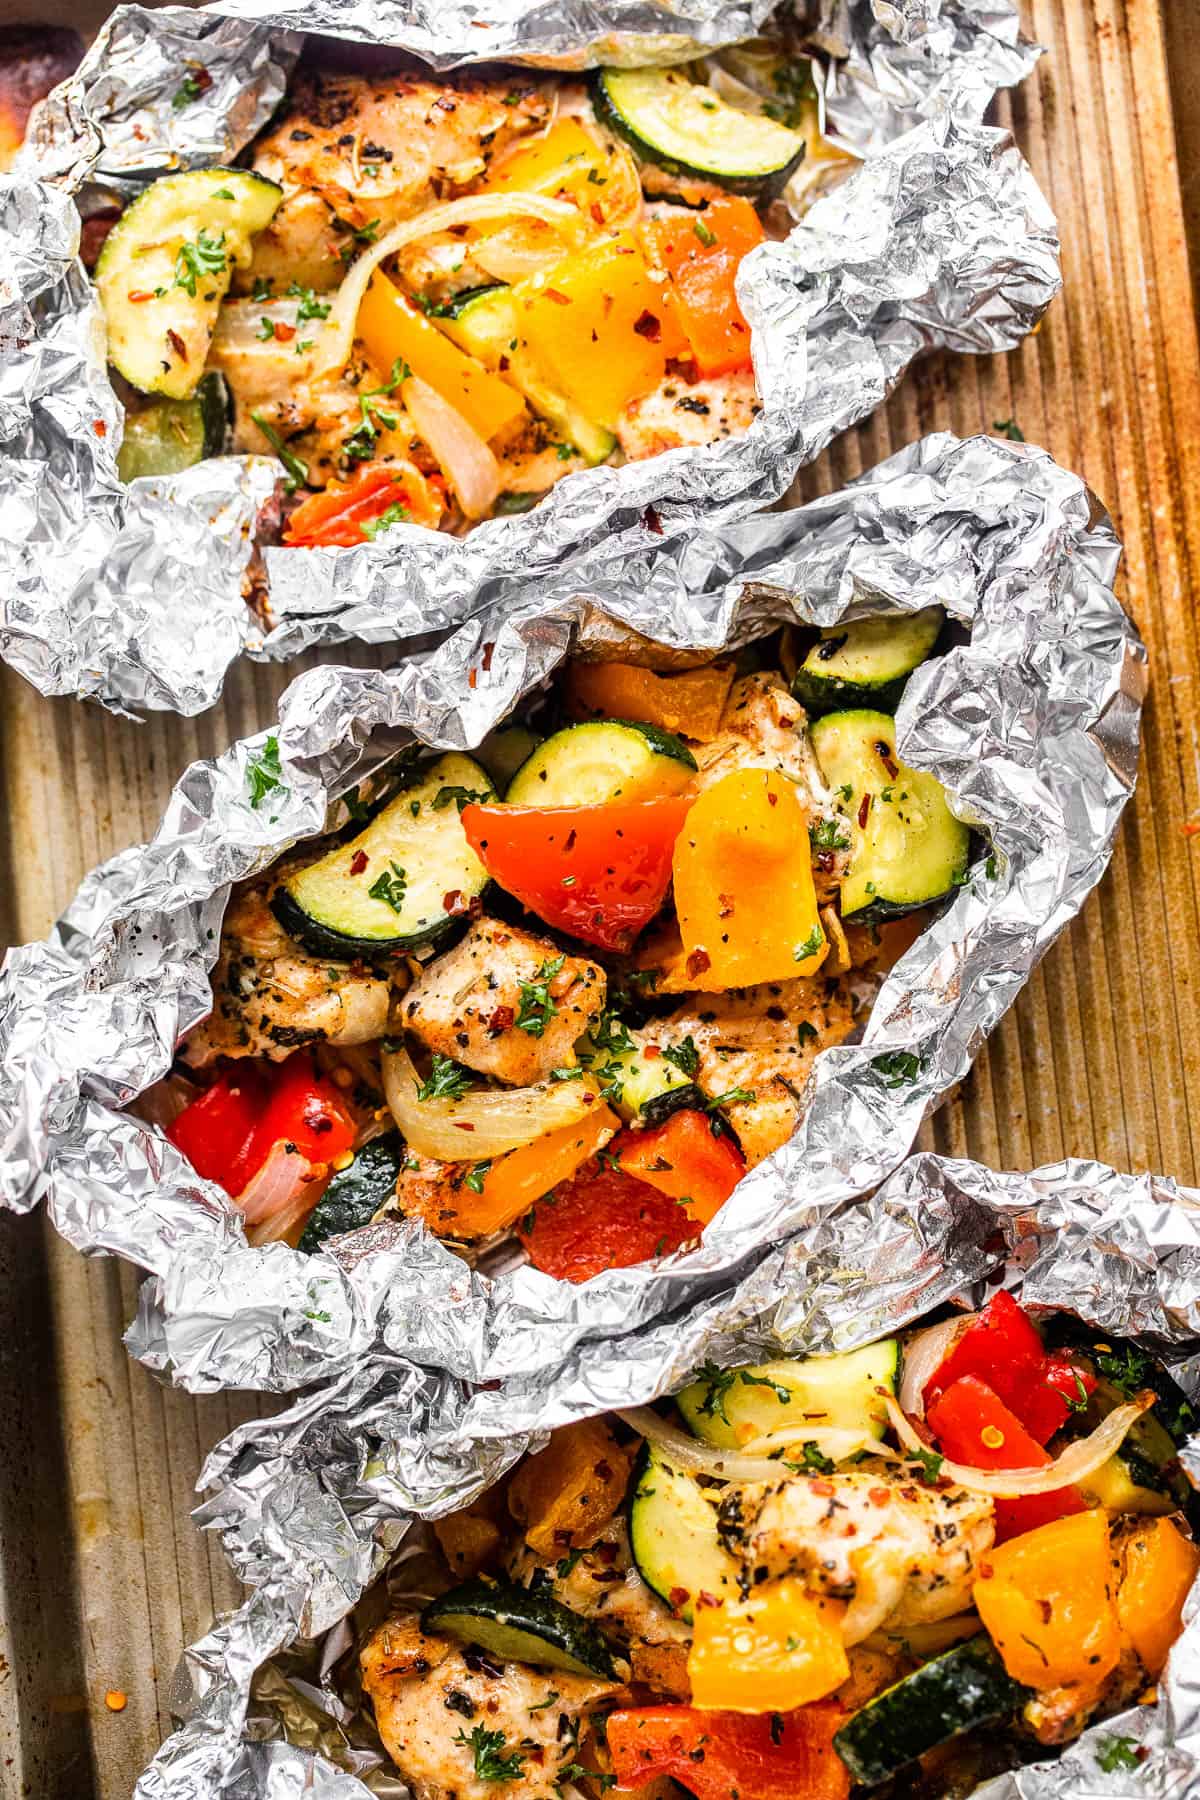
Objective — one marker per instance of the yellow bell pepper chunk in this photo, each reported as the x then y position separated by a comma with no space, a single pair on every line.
598,327
744,890
389,326
780,1649
1045,1598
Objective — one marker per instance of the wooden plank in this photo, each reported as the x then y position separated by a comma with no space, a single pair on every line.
1098,1058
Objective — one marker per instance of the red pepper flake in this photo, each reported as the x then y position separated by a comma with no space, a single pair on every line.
453,902
1045,1608
704,1598
488,652
501,1020
824,1488
284,333
884,753
358,862
100,428
679,1598
648,325
178,346
472,678
864,809
725,906
986,1571
652,522
558,299
698,962
772,799
879,1496
463,1125
587,1097
650,1051
201,79
137,295
596,212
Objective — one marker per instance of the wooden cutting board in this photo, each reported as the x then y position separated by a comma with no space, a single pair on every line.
104,1579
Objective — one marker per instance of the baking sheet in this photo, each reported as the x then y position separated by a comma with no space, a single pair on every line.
104,1580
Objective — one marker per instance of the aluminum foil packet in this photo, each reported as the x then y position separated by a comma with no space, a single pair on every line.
134,595
1032,725
315,1504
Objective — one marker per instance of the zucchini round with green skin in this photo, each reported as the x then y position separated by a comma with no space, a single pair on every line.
673,1536
166,266
170,435
606,759
356,1192
966,1686
515,1624
688,130
643,1089
384,892
906,847
867,662
838,1392
504,751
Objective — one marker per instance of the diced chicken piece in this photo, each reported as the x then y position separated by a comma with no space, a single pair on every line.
679,413
763,1039
897,1552
429,1697
355,153
467,1003
271,995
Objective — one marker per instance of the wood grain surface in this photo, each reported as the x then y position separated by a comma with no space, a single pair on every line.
1099,1058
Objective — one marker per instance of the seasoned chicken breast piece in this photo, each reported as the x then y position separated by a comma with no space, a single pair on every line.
468,1003
431,1696
678,413
895,1551
270,995
355,154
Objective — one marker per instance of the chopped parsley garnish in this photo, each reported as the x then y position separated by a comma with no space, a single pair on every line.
898,1067
826,834
487,1747
264,774
719,1383
205,257
845,794
781,1393
456,796
474,1180
564,452
566,1074
262,288
707,236
684,1055
793,83
610,1032
266,329
360,445
734,1096
565,1564
551,1697
1118,1753
395,515
1077,1402
810,946
310,307
812,1459
189,89
1010,429
931,1465
537,1008
297,468
358,809
389,887
1127,1369
448,1080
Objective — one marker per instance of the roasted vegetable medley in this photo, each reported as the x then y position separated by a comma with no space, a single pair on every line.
579,1013
432,296
914,1564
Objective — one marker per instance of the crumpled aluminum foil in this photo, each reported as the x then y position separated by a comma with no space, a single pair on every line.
1033,727
313,1503
942,239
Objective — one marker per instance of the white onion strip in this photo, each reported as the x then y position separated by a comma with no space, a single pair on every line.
462,455
331,352
923,1356
482,1124
1078,1460
686,1452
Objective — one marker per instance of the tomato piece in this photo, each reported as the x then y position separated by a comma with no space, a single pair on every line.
216,1130
229,1131
972,1425
732,1756
337,516
1058,1389
1003,1348
685,1158
602,1219
305,1110
598,872
701,253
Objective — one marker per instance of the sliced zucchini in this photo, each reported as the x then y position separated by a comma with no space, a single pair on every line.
356,1192
515,1624
673,1536
605,759
505,750
166,266
171,435
867,662
964,1687
384,891
643,1089
483,322
687,129
906,847
823,1391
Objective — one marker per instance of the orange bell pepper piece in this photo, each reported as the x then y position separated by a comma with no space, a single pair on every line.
701,253
744,890
686,1159
779,1649
1045,1598
342,513
511,1185
390,326
1157,1568
731,1756
569,1491
690,704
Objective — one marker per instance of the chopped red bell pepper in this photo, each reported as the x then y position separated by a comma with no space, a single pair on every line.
972,1425
732,1756
685,1158
602,1219
701,252
597,872
1058,1389
228,1132
1003,1348
342,512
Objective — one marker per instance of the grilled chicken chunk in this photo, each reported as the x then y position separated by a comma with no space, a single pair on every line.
270,995
679,413
429,1696
467,1003
356,154
897,1552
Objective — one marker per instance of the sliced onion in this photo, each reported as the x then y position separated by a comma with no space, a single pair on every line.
924,1354
484,1124
331,352
283,1191
465,460
1075,1463
686,1452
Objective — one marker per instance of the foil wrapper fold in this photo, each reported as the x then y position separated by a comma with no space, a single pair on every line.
1032,725
941,239
313,1503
